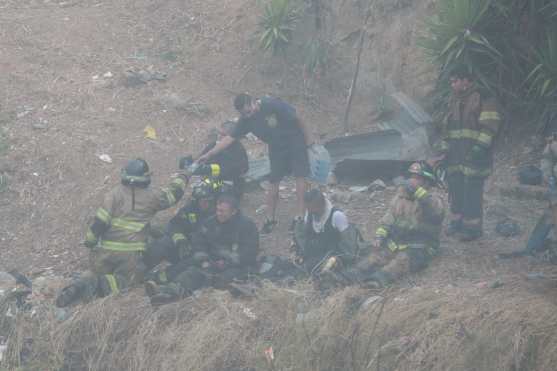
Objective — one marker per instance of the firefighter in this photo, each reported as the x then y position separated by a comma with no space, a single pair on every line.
472,123
276,123
326,243
223,251
117,237
230,165
175,245
408,235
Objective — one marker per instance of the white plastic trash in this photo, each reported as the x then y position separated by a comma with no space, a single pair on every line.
319,163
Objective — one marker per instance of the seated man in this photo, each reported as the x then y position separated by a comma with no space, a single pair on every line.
175,245
408,235
326,244
224,250
118,234
230,165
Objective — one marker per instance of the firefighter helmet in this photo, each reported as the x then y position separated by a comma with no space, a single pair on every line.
204,189
136,173
423,169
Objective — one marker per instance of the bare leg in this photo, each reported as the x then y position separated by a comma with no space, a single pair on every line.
300,190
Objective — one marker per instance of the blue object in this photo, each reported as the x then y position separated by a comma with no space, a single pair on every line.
319,163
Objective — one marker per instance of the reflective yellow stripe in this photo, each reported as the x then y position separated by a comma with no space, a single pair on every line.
394,247
468,171
127,225
469,134
178,237
90,236
103,215
485,139
192,218
123,246
381,232
215,170
420,193
162,277
490,115
169,196
112,283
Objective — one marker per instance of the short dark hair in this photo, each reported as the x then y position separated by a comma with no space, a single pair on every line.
241,100
230,200
314,195
461,71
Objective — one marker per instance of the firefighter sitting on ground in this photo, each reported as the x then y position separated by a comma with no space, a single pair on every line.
117,237
326,243
230,165
175,246
224,252
408,235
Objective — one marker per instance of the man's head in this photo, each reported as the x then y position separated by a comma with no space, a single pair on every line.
227,207
314,201
420,174
460,79
204,195
245,105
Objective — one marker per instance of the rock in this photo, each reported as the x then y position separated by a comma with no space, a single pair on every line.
61,314
358,189
524,192
507,228
7,283
399,180
496,284
133,78
377,185
105,158
341,196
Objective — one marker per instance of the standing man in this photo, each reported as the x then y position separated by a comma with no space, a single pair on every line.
472,124
276,123
118,234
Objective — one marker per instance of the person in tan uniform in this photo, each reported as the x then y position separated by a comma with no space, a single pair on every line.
472,124
408,235
117,237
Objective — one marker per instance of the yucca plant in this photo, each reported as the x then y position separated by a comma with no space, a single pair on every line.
277,25
541,82
466,32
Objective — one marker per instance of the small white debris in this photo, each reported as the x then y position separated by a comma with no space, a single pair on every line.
105,158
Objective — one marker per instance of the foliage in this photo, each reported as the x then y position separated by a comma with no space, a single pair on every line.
316,57
277,25
509,45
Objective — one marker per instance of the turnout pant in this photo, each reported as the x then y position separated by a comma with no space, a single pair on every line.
466,195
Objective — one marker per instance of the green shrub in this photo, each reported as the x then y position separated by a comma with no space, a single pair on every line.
277,24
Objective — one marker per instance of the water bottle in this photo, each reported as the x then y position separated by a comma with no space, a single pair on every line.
319,163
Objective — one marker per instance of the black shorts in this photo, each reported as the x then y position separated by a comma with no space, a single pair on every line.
291,159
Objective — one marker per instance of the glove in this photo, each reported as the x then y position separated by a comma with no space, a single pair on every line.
185,162
90,244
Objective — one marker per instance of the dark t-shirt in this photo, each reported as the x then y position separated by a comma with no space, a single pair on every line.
275,123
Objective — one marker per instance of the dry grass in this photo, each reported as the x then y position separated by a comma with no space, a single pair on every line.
412,329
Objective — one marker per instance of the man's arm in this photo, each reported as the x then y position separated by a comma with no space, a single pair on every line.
218,148
308,138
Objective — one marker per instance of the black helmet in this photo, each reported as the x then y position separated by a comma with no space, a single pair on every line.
136,173
204,189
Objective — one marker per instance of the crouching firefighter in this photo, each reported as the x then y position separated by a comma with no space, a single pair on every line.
175,246
326,243
408,235
116,239
228,167
224,252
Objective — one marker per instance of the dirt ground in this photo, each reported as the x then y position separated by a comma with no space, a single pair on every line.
66,99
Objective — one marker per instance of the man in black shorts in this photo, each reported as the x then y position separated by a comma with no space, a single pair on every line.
274,122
